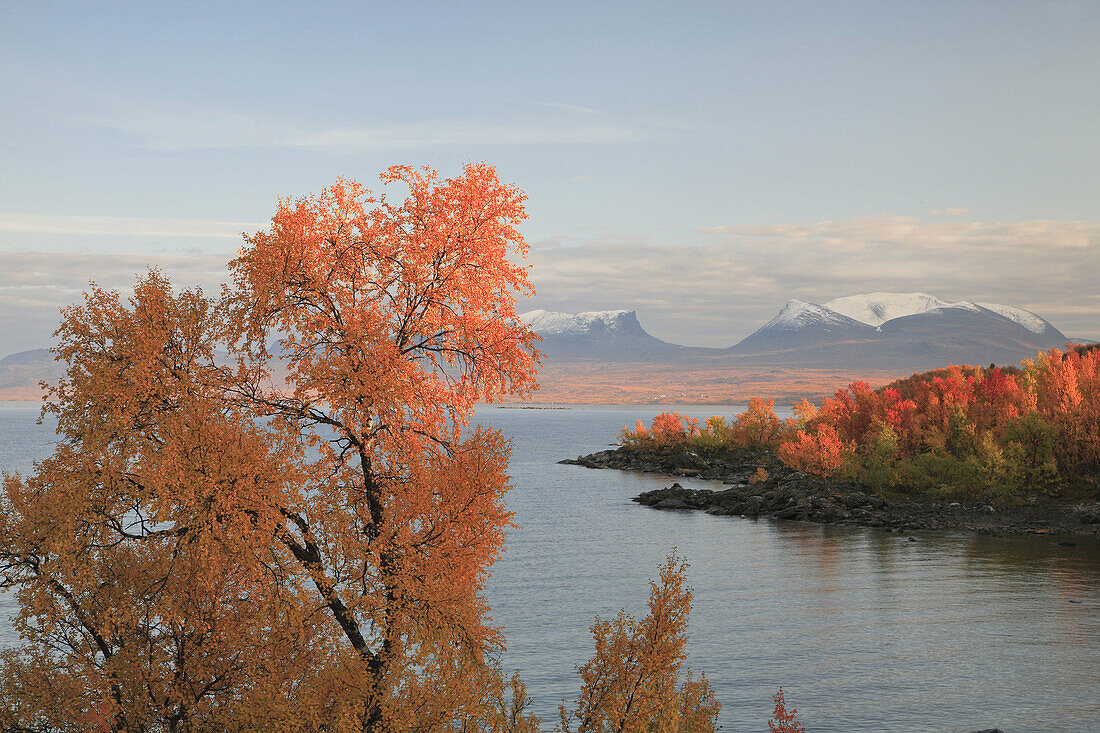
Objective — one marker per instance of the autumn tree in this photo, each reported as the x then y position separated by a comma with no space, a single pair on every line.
633,683
269,511
139,553
393,321
302,529
783,720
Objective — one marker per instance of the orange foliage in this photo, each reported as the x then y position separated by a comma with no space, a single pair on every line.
821,451
633,683
783,721
140,551
207,549
668,430
672,428
758,425
756,428
1066,388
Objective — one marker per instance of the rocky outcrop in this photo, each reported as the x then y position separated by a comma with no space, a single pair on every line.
760,487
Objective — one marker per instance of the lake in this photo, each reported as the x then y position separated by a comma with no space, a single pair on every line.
865,630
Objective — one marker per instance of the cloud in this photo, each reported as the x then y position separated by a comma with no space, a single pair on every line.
179,126
712,288
34,286
910,231
124,226
566,107
444,132
719,287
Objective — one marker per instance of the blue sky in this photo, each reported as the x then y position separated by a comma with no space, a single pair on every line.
700,162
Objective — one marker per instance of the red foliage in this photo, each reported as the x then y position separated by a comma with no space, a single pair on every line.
672,428
821,451
954,411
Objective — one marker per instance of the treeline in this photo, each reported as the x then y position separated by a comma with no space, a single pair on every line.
965,433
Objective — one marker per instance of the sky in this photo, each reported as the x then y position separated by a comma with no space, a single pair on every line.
700,163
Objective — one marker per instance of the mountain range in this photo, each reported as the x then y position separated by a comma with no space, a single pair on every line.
807,349
902,331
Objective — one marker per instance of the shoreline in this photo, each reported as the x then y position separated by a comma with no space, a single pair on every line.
793,495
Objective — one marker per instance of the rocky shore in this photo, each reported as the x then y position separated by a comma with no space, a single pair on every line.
758,486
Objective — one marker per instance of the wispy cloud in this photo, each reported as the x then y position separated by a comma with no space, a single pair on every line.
124,226
175,125
566,107
34,286
723,285
909,231
170,123
444,132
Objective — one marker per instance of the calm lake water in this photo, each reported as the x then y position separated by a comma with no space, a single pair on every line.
864,630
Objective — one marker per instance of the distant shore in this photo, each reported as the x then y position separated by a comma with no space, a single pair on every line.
759,486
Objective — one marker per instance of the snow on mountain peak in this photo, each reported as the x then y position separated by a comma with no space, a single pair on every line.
875,309
798,314
568,324
1025,318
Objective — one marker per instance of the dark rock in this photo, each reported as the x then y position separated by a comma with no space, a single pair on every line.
788,494
856,499
1089,515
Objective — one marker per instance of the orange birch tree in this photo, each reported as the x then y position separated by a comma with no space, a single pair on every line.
392,322
270,511
208,545
139,551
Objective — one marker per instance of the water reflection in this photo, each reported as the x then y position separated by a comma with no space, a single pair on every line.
865,630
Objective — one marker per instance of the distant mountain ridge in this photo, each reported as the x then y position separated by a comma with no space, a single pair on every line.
877,330
609,352
552,323
875,309
800,324
901,330
598,335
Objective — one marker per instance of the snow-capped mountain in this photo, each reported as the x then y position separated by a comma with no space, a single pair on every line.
875,309
805,323
1027,319
881,329
552,323
797,315
598,335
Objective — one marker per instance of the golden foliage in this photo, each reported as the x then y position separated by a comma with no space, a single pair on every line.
633,683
